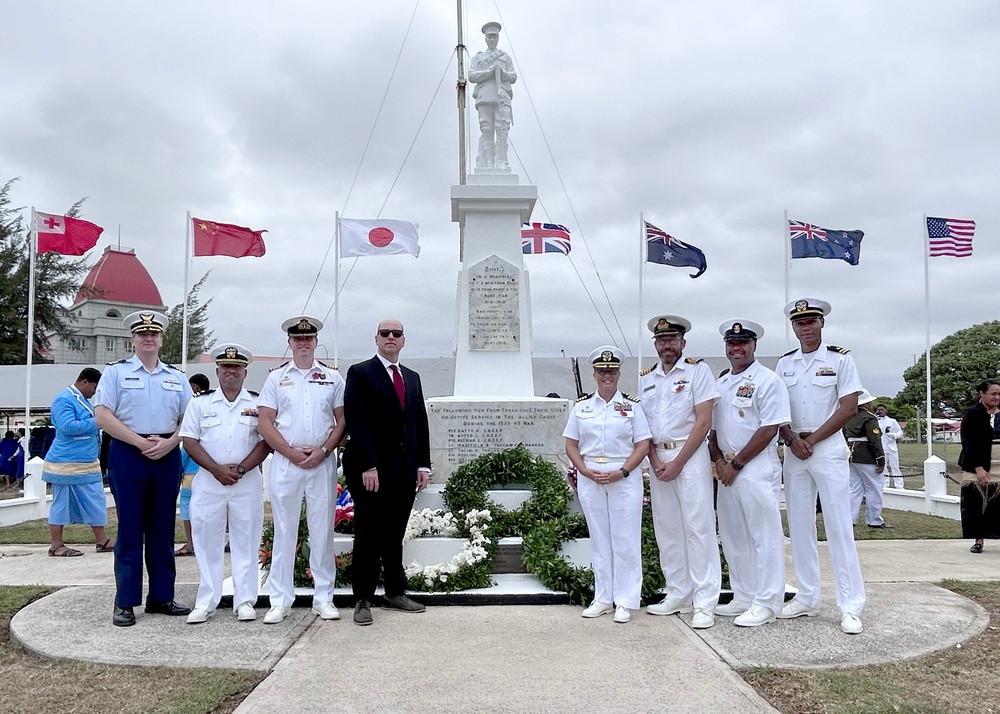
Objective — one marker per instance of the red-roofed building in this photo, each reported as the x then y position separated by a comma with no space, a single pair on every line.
117,285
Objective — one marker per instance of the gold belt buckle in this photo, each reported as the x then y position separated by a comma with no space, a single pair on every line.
600,459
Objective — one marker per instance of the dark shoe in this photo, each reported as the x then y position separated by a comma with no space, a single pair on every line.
363,613
184,550
124,617
882,526
64,551
166,608
401,602
976,548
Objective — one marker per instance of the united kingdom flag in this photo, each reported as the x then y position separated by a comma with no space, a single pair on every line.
544,238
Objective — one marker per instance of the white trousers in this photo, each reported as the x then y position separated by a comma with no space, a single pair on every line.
684,521
826,472
750,526
892,469
287,485
212,507
614,518
866,484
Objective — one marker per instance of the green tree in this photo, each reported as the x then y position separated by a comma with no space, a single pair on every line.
958,363
57,279
199,336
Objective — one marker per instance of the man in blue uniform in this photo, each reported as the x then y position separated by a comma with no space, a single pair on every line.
140,402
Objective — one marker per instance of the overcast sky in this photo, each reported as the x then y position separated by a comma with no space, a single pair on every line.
711,117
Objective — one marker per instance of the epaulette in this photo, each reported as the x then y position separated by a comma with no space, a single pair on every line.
838,350
328,366
585,396
630,397
790,352
693,360
283,364
121,361
176,369
253,393
205,393
646,371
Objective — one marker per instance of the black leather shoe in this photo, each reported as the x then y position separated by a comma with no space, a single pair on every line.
881,526
363,613
124,617
402,603
166,608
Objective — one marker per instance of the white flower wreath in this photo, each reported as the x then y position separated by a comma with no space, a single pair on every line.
437,522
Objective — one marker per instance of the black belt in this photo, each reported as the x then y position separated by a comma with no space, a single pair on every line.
162,436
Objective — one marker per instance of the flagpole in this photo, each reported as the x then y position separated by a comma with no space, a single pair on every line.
927,335
642,296
788,269
187,282
32,250
336,292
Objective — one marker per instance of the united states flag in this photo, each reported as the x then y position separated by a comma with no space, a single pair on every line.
544,238
950,236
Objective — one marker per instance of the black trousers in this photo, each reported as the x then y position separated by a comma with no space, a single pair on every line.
380,519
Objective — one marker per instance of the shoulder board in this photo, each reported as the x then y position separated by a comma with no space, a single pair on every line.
121,361
838,350
630,397
693,360
176,369
790,352
283,364
585,397
646,371
205,393
328,366
253,393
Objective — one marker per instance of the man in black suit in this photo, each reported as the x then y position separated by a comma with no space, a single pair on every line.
386,462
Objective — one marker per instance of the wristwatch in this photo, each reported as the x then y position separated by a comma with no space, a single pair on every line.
737,466
240,470
624,472
326,452
788,442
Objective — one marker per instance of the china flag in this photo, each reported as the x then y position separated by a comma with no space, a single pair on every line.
212,238
62,234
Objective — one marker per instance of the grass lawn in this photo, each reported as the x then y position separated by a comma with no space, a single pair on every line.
960,679
31,685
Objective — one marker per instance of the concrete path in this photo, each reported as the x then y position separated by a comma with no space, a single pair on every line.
512,658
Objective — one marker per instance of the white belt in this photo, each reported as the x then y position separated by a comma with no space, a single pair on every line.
857,438
603,459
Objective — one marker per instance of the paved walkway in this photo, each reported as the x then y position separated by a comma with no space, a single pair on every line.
512,658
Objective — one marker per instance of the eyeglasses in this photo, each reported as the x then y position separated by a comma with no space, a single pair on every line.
395,333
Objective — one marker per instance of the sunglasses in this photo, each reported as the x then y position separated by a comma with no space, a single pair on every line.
395,333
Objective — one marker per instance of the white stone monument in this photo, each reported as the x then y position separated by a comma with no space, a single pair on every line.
494,404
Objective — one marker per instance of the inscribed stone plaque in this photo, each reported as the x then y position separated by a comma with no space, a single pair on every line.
461,430
494,320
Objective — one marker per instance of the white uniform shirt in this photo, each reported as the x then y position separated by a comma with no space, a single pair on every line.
669,399
816,383
304,400
226,430
609,429
753,398
891,432
145,402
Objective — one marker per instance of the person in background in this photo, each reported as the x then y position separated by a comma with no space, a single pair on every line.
891,433
72,468
607,437
199,384
8,458
980,495
864,439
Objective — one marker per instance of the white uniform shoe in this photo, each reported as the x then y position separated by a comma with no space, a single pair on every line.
245,612
198,616
668,607
795,608
851,624
734,608
702,620
598,608
622,614
326,610
276,614
755,616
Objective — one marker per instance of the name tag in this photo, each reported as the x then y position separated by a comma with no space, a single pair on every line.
133,383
